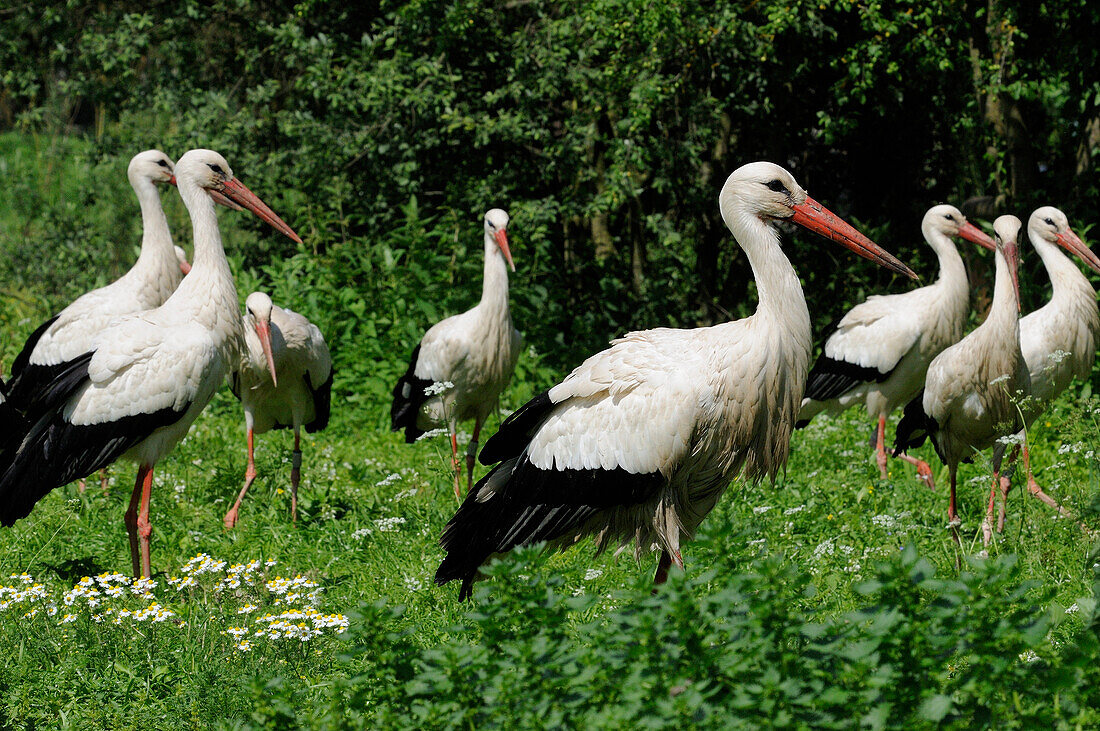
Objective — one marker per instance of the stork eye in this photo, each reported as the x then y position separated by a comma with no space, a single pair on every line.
777,186
164,164
1048,221
490,223
949,217
216,168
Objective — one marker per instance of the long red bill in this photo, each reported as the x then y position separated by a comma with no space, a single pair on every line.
263,330
1072,242
235,191
502,242
972,233
819,219
221,200
1012,256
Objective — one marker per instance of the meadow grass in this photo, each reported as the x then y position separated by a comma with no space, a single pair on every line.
798,600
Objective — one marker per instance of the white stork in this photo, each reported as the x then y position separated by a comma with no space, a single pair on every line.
475,351
280,344
148,284
638,442
971,396
879,352
1059,339
145,378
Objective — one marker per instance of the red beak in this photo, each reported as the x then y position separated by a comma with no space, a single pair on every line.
263,330
972,233
235,191
185,268
1012,256
221,200
819,219
502,241
1072,242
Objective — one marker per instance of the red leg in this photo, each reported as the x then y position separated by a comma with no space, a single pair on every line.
880,446
81,486
455,466
471,456
923,470
144,527
103,480
131,517
295,476
1037,492
987,522
230,519
1006,485
952,516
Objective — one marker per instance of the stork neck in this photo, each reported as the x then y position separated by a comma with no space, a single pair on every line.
156,239
780,293
1005,309
494,286
952,270
210,275
1065,278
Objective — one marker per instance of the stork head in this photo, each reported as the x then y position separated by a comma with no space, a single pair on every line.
1007,230
151,165
209,171
1051,225
767,192
949,221
181,257
496,232
258,317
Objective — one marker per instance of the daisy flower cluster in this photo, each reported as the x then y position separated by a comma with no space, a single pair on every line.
277,608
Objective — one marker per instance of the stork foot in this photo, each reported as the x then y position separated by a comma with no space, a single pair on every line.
230,518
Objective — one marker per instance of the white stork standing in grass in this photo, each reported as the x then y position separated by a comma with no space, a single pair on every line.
972,394
880,350
1059,339
638,442
145,378
281,345
476,352
148,284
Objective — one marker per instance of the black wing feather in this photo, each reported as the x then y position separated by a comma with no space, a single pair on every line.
535,505
408,397
27,379
915,426
831,378
517,430
53,452
322,403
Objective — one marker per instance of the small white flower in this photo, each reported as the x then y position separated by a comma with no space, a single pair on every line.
592,574
999,379
431,434
361,533
438,387
389,525
1073,609
796,509
1010,439
412,583
761,509
388,480
1028,656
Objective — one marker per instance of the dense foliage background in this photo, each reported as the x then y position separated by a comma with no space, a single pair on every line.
381,131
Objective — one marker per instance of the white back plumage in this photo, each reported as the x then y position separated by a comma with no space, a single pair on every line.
146,285
1059,340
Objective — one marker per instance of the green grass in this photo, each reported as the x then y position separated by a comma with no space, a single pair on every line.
828,597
